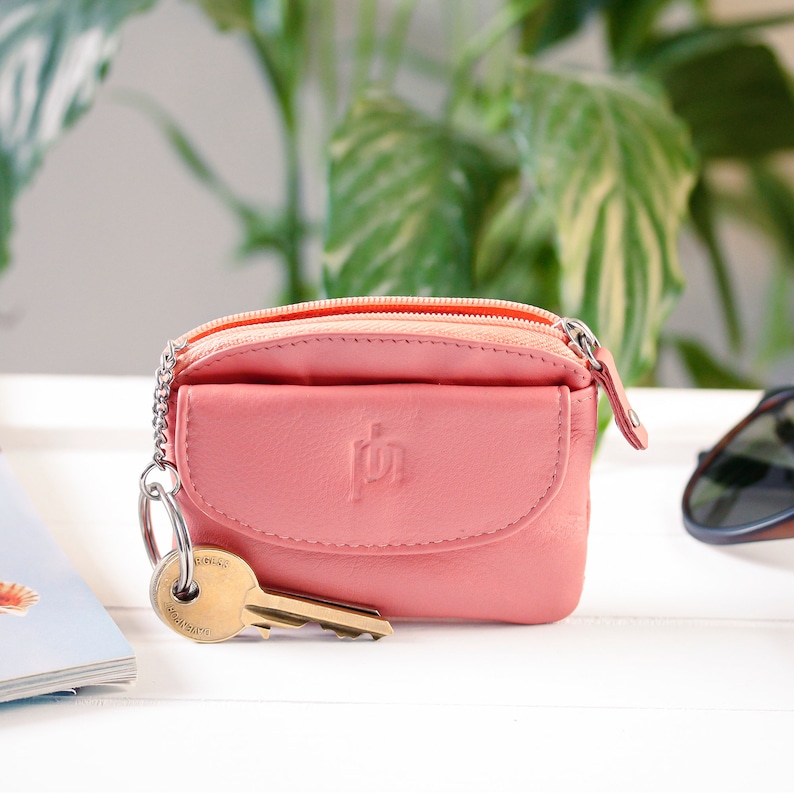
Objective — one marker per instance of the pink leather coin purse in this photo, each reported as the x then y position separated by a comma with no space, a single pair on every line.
427,457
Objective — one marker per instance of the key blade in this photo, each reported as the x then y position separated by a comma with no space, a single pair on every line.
277,610
273,618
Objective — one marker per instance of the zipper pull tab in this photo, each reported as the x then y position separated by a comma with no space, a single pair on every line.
602,364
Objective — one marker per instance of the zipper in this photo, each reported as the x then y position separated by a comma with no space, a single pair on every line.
337,307
571,332
605,373
581,340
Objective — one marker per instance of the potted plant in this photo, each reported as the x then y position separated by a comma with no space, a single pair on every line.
560,187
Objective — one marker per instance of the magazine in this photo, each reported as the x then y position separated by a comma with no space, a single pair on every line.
55,636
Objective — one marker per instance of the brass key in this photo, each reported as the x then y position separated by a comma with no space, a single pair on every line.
228,599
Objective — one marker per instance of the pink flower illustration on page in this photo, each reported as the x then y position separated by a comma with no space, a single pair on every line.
16,598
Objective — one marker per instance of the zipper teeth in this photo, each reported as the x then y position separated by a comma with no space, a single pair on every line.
387,305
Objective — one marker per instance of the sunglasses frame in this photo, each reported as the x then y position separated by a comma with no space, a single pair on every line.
776,527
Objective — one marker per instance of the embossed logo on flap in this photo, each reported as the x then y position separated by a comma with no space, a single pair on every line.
374,459
378,469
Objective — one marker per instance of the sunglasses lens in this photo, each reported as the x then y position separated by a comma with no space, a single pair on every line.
751,478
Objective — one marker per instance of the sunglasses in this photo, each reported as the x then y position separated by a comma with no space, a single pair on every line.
743,489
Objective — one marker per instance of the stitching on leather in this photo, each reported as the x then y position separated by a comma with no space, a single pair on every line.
242,523
385,340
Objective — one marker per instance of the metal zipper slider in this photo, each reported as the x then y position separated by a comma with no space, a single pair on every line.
602,364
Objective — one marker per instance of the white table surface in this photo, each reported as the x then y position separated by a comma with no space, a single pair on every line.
676,672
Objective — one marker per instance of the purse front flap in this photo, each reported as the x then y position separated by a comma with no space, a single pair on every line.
382,469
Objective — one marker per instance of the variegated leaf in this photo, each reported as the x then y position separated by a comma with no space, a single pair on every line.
53,56
516,256
407,198
615,167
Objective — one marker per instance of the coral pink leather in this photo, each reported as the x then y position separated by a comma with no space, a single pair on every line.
421,499
626,417
331,359
386,469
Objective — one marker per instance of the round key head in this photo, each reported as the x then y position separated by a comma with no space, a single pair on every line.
214,612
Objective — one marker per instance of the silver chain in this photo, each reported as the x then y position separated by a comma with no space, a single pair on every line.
153,491
162,394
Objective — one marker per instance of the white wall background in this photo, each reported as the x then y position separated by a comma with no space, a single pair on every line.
118,249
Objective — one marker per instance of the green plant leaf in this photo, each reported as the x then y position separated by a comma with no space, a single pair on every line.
262,229
629,24
701,212
395,40
231,14
275,28
272,18
615,167
504,20
552,21
659,52
53,57
776,339
775,199
516,256
735,97
777,336
705,370
407,196
182,146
